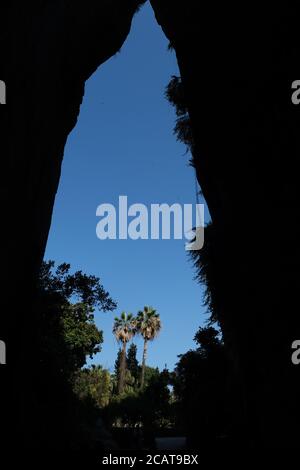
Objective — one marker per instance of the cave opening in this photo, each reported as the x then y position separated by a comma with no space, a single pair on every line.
124,145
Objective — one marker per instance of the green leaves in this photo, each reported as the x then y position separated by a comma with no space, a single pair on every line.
124,328
94,384
66,304
148,323
78,286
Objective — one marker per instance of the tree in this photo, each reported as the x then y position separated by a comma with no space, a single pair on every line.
149,407
65,315
117,369
132,362
201,388
132,374
156,401
93,384
208,340
148,325
66,287
150,374
124,330
67,334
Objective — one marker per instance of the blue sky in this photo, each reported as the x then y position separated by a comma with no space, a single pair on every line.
123,144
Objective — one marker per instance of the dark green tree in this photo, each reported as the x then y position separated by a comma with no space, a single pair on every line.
151,374
123,329
64,310
149,407
201,388
133,370
93,384
148,325
132,362
117,367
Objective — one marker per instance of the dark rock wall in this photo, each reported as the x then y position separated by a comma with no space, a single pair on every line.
238,64
48,50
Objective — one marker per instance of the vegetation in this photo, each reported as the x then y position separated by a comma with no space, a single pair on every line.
93,384
175,94
138,4
132,363
148,325
194,400
201,389
124,330
65,307
135,402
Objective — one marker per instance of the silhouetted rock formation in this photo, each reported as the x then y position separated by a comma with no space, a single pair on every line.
237,65
48,50
234,65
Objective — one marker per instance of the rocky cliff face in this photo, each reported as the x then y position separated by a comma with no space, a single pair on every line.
48,50
237,67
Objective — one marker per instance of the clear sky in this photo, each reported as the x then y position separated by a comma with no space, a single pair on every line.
123,144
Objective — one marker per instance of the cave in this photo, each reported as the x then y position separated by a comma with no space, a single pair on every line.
238,77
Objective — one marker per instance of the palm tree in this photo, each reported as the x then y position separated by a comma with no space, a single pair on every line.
124,330
148,325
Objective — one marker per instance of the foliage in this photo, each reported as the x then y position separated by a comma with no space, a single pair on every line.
175,94
148,325
93,384
130,382
67,334
132,363
156,400
133,372
151,374
138,4
205,265
79,286
201,387
124,329
117,366
149,407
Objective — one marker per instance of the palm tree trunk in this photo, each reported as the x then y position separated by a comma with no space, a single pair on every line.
144,363
122,369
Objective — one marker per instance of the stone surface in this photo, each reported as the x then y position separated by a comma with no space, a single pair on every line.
48,50
238,64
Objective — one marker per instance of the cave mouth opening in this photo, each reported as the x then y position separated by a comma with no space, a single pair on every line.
123,144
